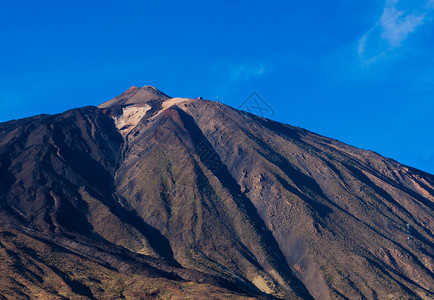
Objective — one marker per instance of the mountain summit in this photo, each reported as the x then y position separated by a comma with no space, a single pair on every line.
149,196
136,96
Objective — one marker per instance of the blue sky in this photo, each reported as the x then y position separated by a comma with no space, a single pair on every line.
358,71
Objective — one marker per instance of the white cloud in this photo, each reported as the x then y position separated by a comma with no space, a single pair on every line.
396,25
246,71
234,75
362,44
399,19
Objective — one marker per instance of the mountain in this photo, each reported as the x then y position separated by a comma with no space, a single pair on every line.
148,196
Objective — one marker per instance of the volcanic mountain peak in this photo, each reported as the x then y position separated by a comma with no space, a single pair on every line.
135,96
202,200
131,106
130,116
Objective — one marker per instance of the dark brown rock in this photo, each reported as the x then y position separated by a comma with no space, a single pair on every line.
177,197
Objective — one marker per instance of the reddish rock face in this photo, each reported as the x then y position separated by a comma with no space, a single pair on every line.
152,196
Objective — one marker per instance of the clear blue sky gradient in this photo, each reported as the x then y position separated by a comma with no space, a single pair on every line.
358,71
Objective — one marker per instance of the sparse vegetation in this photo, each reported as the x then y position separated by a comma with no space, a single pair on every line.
86,213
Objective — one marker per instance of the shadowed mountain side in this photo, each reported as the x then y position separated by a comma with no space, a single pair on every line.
209,221
59,172
45,266
316,178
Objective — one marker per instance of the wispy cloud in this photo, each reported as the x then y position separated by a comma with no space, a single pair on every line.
400,18
396,25
245,71
231,76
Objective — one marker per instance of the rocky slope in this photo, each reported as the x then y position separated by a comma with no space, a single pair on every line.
152,196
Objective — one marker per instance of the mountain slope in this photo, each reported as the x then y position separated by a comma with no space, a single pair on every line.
231,203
